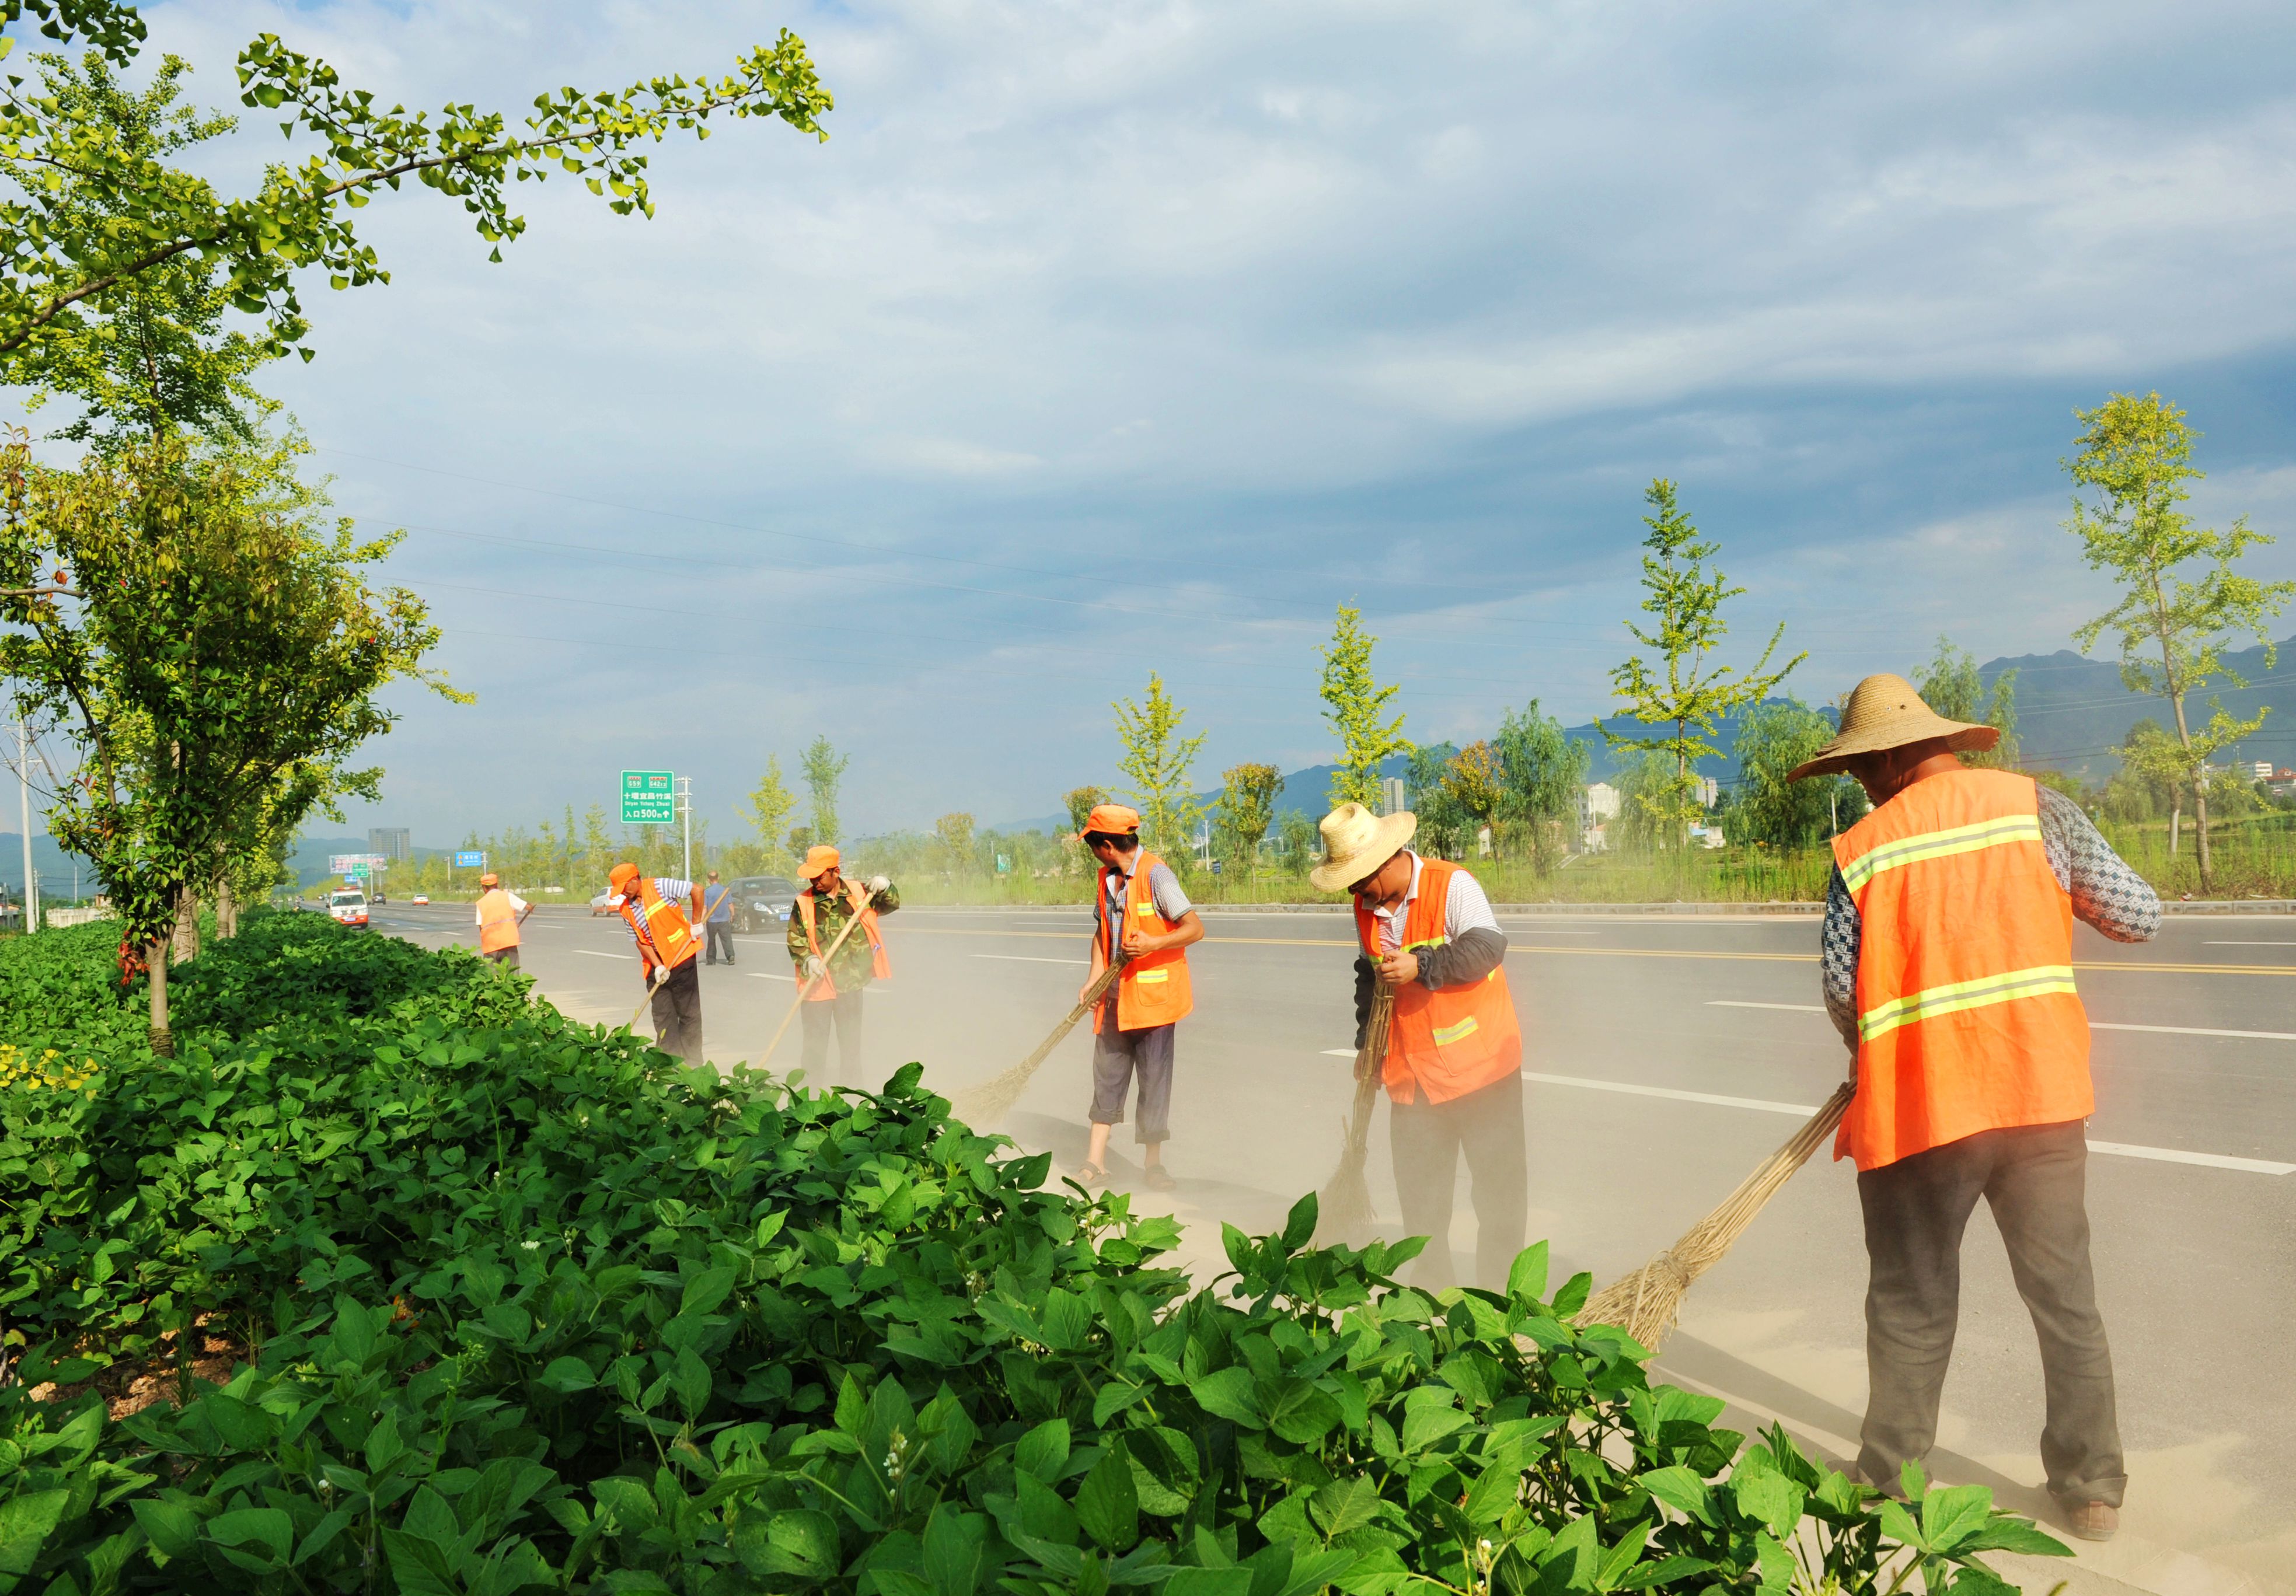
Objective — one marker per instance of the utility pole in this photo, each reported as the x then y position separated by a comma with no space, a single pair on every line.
684,789
24,789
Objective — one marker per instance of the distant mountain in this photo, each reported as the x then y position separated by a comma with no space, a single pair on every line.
53,865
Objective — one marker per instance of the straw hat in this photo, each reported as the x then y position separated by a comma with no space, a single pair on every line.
1884,712
1357,842
819,857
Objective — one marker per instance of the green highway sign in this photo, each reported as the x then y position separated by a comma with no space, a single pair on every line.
649,799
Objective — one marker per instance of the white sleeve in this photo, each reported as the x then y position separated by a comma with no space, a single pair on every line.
1466,907
517,904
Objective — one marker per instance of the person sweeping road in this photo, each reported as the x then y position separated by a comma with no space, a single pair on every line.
500,914
831,982
1946,964
1134,1026
1454,1061
667,946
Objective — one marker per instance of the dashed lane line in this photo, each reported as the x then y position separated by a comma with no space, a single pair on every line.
1031,958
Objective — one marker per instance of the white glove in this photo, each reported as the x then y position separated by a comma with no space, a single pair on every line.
814,968
877,884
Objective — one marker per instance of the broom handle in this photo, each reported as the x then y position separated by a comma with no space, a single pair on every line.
652,986
805,991
1093,994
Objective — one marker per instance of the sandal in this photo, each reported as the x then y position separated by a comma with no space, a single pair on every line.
1091,1174
1160,1179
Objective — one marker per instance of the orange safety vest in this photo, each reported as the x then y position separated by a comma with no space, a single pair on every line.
1967,1020
880,966
1453,1040
1153,988
497,921
665,936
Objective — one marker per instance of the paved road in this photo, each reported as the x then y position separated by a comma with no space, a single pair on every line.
1666,1056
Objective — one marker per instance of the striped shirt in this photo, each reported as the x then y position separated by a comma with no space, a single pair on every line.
1466,907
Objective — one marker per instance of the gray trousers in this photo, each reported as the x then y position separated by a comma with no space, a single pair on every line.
1118,1058
677,1013
843,1012
2034,1178
721,935
1427,1139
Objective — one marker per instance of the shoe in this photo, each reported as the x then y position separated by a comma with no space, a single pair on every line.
1090,1175
2091,1520
1160,1179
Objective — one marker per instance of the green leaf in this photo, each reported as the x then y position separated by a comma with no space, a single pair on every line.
957,1550
1427,1424
1493,1494
1210,1582
244,1426
707,1289
1769,1498
1680,1489
173,1528
1573,1296
1299,1225
689,1377
1068,1321
1106,1505
1227,1393
1302,1414
1344,1505
1164,1472
567,1375
852,1410
627,1502
26,1522
420,1565
797,1543
1043,1449
1953,1514
2008,1533
268,1527
1527,1276
1043,1514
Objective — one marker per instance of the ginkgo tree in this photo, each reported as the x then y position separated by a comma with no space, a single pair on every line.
60,267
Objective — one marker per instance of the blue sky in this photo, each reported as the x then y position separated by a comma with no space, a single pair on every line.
1105,338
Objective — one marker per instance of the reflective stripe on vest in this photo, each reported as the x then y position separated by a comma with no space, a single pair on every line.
1445,1044
1154,989
1967,1017
664,936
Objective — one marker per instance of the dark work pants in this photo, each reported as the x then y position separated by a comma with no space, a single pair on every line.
1118,1058
1487,1125
677,1013
844,1012
721,935
2034,1178
504,955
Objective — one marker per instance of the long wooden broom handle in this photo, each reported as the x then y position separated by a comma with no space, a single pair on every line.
1093,994
805,991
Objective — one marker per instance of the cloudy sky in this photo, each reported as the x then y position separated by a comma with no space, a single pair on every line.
1130,336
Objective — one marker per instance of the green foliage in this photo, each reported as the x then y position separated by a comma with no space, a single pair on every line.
128,214
1445,832
767,807
1247,804
1356,705
1157,757
1475,788
1543,771
532,1306
825,768
1680,689
953,835
1767,808
1297,836
2136,457
1950,683
1080,802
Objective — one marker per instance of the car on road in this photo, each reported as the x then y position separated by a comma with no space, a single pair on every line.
603,903
349,908
421,900
762,901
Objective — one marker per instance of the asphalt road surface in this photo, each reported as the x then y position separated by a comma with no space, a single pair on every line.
1665,1056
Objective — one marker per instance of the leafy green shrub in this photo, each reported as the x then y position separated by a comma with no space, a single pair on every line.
535,1308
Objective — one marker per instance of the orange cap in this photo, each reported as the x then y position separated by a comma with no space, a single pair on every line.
819,857
490,880
621,877
1115,819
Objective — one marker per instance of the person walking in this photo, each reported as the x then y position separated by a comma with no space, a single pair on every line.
718,919
1134,1025
1946,964
1454,1064
651,905
820,913
501,913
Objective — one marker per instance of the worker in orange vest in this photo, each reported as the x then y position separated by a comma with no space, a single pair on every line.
651,905
1139,909
833,987
1453,1063
501,912
1946,964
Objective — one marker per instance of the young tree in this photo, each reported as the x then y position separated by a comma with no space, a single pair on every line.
1297,836
1157,757
953,835
825,768
2159,763
1767,808
220,639
2135,455
1950,685
1543,771
127,213
1356,705
1442,832
1080,802
1679,690
767,807
1247,804
1475,783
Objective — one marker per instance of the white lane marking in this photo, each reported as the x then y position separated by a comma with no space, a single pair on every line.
2214,944
1031,959
2125,1150
758,975
2093,1025
591,953
1339,1053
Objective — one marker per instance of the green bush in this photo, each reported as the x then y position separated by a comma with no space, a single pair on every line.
532,1307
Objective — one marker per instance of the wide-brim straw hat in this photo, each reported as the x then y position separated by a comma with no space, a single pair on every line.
1357,842
1884,712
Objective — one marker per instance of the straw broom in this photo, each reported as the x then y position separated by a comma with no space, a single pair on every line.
1343,1210
1645,1303
994,1098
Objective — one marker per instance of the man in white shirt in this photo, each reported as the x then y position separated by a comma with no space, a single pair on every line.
499,915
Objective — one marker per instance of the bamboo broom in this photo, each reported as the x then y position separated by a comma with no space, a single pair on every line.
1343,1210
1645,1304
993,1098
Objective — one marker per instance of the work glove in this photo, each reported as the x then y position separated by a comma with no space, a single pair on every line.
877,884
660,974
814,967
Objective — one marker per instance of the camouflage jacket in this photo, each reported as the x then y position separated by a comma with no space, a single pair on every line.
850,968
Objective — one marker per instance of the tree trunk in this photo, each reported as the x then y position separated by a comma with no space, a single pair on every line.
226,914
2201,831
2176,821
155,962
188,928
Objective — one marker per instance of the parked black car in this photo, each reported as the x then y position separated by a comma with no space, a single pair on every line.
762,903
